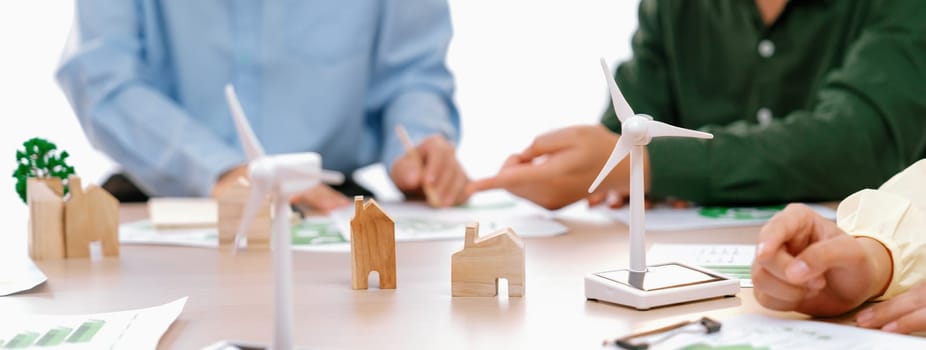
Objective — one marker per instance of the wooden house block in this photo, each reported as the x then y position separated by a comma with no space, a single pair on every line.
372,245
46,218
476,269
231,205
90,215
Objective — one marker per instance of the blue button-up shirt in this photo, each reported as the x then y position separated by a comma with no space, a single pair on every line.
146,78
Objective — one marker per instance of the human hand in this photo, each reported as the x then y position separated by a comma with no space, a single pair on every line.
434,170
904,313
614,200
805,263
321,197
558,167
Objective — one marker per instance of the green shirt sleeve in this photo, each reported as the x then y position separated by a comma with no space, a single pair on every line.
866,122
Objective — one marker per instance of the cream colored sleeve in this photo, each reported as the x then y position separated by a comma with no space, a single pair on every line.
895,215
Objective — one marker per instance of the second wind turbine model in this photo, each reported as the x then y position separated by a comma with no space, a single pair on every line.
641,286
280,176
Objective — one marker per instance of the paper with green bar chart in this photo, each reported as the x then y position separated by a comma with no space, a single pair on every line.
133,329
733,260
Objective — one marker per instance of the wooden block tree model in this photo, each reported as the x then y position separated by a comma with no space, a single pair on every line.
372,245
61,228
231,205
476,270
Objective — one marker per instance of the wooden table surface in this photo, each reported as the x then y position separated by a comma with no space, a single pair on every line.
229,295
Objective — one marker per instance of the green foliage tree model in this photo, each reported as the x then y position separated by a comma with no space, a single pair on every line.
39,158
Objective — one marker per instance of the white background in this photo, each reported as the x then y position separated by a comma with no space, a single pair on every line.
522,68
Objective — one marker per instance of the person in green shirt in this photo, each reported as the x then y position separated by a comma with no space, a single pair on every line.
808,100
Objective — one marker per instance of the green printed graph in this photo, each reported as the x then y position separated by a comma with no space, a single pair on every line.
54,337
742,272
22,340
757,213
86,331
314,233
723,347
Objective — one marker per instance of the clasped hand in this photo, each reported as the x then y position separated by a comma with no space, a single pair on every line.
806,263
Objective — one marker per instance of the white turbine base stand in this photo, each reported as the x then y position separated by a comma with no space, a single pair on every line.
663,284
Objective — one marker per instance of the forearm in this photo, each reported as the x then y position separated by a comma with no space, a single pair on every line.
412,85
805,157
123,107
155,141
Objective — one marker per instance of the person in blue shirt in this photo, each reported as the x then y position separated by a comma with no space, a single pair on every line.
146,78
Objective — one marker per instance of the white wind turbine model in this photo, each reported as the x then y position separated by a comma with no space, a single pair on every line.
280,176
643,286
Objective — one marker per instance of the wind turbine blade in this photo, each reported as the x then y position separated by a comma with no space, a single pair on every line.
621,149
251,146
254,204
660,129
332,177
621,107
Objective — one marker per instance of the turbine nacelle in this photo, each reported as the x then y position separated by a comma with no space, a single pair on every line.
635,130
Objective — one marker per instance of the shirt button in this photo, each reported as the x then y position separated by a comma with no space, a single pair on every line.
764,116
766,48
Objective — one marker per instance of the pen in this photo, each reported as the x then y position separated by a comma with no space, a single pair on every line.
429,193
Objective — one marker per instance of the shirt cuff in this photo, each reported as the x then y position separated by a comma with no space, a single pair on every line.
422,114
878,215
679,168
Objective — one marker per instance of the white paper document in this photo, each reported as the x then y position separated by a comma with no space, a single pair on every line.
144,232
665,218
19,274
416,221
133,329
169,212
732,260
310,234
756,332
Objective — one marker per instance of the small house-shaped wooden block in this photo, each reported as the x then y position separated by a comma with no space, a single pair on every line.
231,205
372,245
476,269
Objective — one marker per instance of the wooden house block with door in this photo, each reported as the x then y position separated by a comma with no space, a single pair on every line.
90,215
372,245
476,270
231,205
